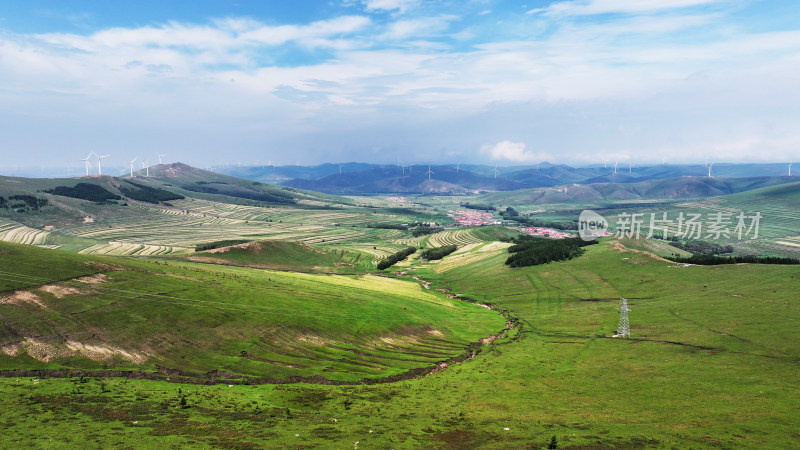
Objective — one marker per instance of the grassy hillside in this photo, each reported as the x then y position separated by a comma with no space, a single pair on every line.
293,256
779,206
62,310
655,189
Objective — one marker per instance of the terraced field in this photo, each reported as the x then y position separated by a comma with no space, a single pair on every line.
459,237
469,254
170,230
378,251
125,249
21,234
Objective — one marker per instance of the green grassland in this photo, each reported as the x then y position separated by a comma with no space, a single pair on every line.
288,256
712,362
200,318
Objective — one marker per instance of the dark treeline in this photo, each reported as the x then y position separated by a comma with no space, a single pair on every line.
23,202
219,244
425,229
478,206
85,191
700,248
149,194
512,214
712,260
396,258
273,196
387,226
438,252
532,251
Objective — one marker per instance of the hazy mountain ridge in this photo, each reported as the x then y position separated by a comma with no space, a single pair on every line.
361,178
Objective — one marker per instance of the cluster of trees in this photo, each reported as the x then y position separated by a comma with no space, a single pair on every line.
22,203
531,251
148,194
268,194
219,244
388,226
700,248
712,260
438,252
396,258
478,206
422,230
85,191
512,214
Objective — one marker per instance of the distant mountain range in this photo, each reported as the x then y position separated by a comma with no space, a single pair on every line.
657,189
174,181
360,178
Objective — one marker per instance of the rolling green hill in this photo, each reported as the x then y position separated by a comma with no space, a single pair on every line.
657,189
292,256
61,310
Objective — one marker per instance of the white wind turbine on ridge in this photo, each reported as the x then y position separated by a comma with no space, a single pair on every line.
131,165
99,157
88,164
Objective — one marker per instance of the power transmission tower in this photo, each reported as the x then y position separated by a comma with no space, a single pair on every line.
624,327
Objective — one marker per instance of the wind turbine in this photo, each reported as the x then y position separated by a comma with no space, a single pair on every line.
410,169
99,169
131,164
709,168
458,166
790,168
430,172
605,164
88,164
340,169
146,167
495,172
615,167
161,156
630,168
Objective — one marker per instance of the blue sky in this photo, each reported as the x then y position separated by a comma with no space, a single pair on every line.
438,81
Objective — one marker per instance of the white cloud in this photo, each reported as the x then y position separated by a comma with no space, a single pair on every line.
313,33
420,27
389,5
592,7
511,151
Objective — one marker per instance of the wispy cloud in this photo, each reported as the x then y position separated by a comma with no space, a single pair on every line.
667,76
593,7
389,5
511,151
